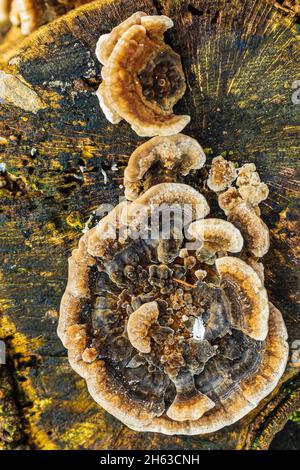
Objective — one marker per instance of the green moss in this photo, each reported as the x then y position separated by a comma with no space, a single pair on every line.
295,417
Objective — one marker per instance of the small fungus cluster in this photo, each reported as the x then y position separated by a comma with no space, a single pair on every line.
173,334
31,14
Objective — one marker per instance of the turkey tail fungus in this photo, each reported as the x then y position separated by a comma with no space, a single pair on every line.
214,349
171,334
142,76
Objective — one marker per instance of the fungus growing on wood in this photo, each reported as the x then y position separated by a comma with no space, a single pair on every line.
170,195
4,10
221,174
250,187
107,233
142,76
217,235
247,295
172,337
138,326
229,199
189,404
161,159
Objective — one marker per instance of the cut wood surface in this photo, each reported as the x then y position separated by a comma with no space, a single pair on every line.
63,159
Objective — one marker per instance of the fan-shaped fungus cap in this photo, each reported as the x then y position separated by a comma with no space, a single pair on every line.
217,234
252,227
107,232
229,199
25,13
4,10
161,159
221,174
203,403
248,297
170,194
138,326
275,357
142,76
241,207
77,290
189,404
257,266
109,112
247,175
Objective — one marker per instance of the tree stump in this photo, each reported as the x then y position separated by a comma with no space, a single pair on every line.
63,159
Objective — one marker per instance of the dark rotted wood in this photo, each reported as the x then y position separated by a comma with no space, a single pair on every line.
240,60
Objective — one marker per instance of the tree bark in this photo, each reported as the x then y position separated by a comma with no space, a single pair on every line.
240,60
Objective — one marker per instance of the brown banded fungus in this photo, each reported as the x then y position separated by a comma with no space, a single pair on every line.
167,341
108,233
142,76
241,206
4,10
217,236
165,196
250,187
248,298
161,159
221,174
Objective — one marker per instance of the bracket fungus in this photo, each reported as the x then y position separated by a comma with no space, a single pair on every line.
161,159
173,335
217,234
248,298
108,233
250,187
142,77
254,230
4,10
